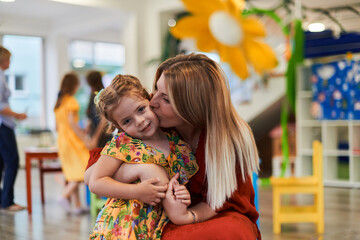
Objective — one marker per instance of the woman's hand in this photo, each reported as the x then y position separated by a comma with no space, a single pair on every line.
150,193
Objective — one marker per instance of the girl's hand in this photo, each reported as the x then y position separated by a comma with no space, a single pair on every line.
181,193
149,193
175,208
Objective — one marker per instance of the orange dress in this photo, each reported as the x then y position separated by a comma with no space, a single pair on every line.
73,153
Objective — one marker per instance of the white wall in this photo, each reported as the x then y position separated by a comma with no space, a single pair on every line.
150,35
57,36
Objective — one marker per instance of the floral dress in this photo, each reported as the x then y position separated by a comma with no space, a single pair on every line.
132,219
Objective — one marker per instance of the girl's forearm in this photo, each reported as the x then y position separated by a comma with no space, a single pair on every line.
77,130
99,129
108,187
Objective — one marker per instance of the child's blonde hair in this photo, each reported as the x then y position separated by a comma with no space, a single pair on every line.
121,85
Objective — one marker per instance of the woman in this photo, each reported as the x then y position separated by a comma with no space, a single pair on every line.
72,140
97,124
9,157
191,96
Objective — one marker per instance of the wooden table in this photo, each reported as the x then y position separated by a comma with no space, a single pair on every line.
39,155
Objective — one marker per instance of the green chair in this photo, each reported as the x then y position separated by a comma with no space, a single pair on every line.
96,203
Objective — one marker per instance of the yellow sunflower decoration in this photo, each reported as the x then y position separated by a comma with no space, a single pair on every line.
218,25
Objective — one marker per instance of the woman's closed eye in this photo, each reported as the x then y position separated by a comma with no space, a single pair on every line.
166,100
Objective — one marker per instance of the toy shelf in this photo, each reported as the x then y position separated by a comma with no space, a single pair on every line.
340,138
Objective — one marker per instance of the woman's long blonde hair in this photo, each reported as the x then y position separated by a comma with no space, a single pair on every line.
199,94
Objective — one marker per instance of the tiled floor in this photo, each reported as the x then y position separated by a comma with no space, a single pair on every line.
342,215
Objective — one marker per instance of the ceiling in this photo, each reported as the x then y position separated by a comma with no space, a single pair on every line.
75,20
100,15
348,18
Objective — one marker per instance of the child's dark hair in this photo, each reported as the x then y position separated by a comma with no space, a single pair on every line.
94,79
121,85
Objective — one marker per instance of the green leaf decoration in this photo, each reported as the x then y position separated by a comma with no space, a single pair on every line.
269,13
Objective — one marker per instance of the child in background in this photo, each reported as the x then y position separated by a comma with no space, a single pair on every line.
142,154
72,140
96,124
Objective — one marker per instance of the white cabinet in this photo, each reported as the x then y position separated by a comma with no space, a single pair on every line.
340,138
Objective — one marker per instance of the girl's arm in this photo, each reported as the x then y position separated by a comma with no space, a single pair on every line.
102,183
78,131
97,134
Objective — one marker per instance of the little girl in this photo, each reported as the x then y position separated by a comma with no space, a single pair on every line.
138,154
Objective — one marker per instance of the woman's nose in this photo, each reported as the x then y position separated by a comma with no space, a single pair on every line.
154,103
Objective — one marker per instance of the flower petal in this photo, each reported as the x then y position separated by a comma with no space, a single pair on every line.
253,26
235,7
260,55
189,27
236,58
205,42
203,7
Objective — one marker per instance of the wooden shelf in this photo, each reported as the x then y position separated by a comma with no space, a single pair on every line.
336,152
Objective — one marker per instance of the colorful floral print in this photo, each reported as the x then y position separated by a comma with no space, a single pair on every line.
132,219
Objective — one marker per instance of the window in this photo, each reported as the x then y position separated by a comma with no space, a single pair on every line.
25,79
16,83
107,58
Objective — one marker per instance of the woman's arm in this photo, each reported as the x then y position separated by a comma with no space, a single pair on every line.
102,183
203,212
